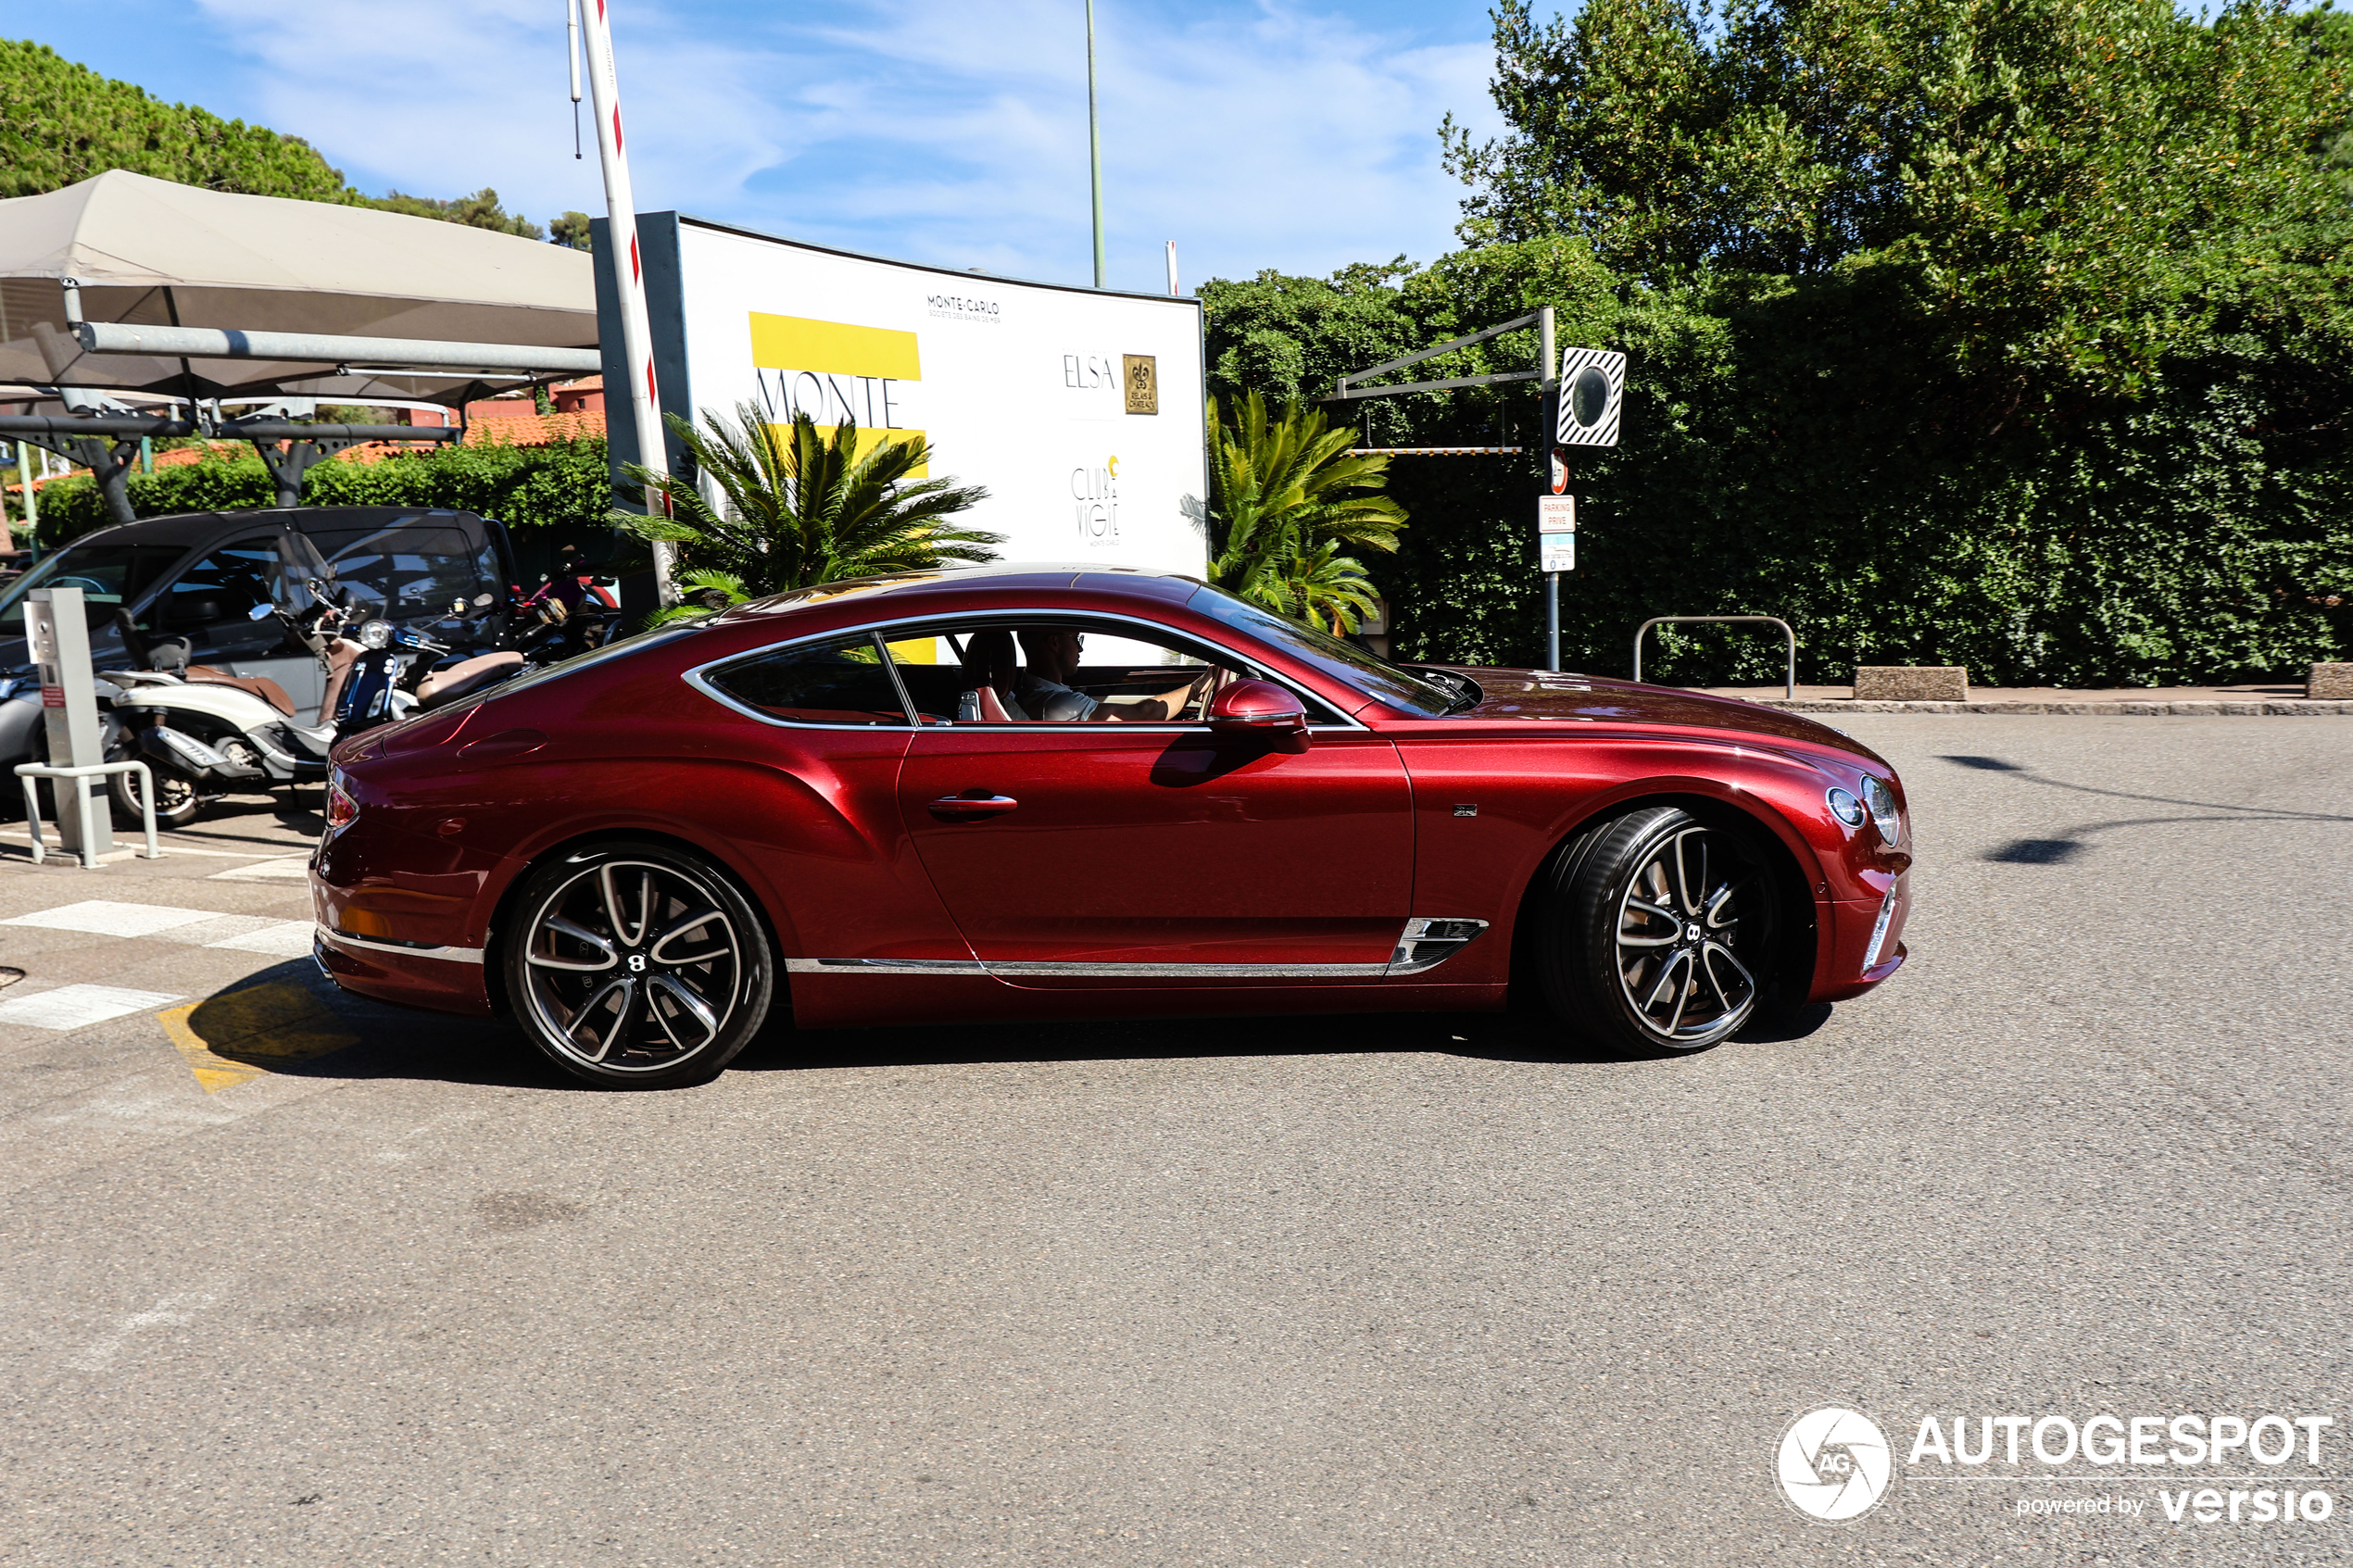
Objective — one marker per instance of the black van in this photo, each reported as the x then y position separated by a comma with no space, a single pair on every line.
200,574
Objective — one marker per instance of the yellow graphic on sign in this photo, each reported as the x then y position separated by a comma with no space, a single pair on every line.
832,370
833,348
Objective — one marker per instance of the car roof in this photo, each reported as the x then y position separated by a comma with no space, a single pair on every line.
907,593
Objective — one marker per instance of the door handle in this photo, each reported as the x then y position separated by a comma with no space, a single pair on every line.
973,803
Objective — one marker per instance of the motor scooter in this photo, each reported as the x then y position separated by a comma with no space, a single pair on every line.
404,673
205,733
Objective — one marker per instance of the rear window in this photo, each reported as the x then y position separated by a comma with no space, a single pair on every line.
837,682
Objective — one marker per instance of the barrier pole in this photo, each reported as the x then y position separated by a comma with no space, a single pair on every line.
636,330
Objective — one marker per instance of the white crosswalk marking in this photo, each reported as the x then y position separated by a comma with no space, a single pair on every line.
76,1007
283,939
284,868
106,919
197,928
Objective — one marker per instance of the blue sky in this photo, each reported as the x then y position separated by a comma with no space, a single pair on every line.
1288,134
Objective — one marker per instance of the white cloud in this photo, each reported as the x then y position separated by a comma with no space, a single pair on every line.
1256,135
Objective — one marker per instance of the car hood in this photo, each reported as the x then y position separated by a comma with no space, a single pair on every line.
1542,695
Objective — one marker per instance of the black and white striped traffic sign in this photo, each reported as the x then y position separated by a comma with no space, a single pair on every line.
1592,390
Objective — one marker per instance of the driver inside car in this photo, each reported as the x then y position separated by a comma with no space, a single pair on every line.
1053,654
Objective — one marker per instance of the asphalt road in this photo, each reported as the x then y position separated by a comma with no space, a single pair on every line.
1348,1291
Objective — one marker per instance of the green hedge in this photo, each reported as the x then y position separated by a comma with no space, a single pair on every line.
565,486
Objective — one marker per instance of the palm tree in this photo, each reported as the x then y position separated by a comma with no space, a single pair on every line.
798,505
1288,500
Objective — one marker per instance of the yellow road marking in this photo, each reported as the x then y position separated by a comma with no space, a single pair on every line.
234,1038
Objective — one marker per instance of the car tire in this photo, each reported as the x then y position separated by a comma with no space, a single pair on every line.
636,965
1657,931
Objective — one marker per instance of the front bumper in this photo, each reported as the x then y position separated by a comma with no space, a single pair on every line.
1866,942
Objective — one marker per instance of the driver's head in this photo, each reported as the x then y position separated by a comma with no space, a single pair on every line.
1055,650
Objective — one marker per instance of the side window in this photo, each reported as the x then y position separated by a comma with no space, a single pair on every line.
220,592
840,683
1033,671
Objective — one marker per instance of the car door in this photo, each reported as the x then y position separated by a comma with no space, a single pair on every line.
1091,853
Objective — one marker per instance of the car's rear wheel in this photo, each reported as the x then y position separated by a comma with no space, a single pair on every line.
638,966
1658,932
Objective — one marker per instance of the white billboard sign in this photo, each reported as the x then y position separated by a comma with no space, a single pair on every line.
1079,410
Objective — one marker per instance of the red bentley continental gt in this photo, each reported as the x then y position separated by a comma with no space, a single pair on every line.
1058,792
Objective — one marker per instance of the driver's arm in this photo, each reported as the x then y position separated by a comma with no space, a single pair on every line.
1151,709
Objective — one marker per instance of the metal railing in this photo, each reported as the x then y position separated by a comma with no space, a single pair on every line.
1759,620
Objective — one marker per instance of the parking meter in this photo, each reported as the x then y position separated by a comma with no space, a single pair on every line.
57,627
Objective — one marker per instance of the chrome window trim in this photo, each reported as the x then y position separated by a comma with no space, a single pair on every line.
1405,961
698,676
334,938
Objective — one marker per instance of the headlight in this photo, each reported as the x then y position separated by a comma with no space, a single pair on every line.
1845,807
1882,801
375,634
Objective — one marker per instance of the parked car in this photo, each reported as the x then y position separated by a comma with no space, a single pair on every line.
201,575
1028,792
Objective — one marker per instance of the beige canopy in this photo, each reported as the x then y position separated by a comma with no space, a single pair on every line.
152,253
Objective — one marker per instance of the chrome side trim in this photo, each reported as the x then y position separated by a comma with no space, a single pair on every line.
882,966
1196,971
1429,942
334,938
1426,943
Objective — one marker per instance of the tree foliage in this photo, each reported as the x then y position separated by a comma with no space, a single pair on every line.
798,505
1287,499
61,124
480,211
2010,333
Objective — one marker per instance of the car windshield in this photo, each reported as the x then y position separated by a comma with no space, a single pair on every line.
108,575
418,569
1342,661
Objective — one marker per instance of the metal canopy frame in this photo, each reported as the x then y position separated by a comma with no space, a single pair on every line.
1342,392
109,444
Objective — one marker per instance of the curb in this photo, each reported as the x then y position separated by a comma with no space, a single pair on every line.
2267,710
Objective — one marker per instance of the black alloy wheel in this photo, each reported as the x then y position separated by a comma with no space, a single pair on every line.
638,966
1658,931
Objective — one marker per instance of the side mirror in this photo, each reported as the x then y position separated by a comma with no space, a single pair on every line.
1257,707
261,612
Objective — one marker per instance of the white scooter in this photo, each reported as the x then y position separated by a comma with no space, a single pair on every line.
205,733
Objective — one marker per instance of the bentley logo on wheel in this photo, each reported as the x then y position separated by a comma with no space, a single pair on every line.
636,963
1834,1464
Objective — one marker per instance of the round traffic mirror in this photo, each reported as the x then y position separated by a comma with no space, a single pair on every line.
1588,396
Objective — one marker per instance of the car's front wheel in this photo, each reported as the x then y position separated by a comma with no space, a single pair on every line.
638,966
1657,931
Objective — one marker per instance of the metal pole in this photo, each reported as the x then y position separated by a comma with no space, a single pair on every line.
31,505
571,60
1548,369
629,275
1172,292
1095,144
